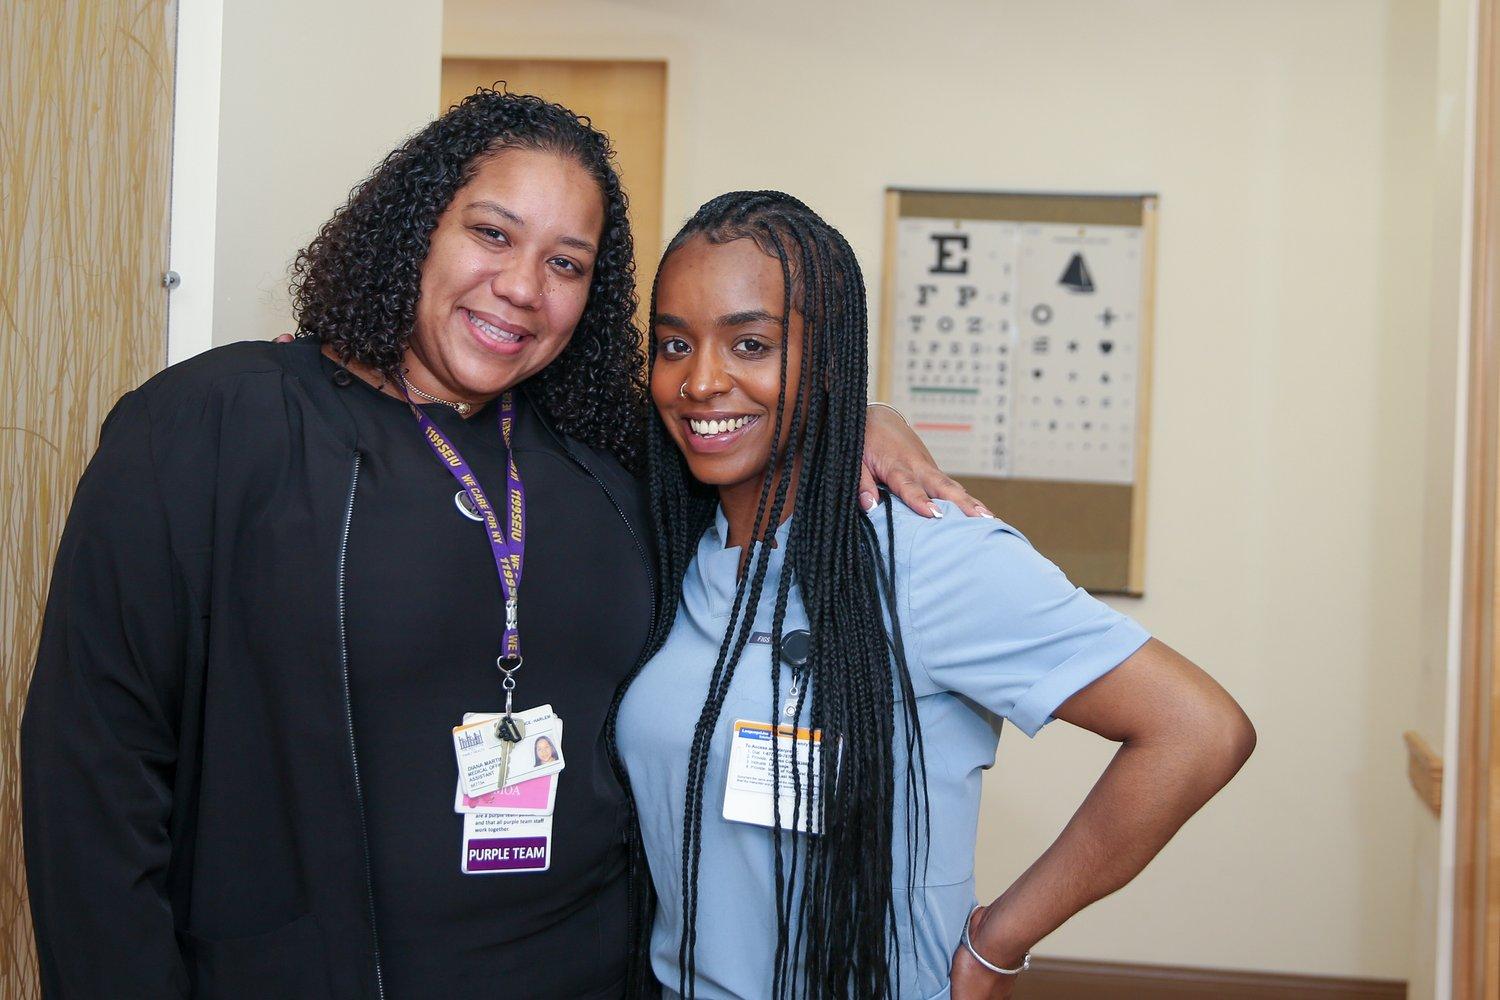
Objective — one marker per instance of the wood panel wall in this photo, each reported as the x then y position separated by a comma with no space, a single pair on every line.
1476,939
85,155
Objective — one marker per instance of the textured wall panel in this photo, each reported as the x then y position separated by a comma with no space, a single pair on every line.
85,155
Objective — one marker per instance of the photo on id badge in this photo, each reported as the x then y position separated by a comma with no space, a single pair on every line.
538,753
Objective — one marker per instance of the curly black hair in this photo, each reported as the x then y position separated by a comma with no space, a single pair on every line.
355,286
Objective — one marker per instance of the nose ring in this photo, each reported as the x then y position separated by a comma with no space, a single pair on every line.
682,393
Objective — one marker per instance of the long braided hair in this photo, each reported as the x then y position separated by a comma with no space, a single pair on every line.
835,911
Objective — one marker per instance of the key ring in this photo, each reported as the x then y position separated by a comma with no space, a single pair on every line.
508,684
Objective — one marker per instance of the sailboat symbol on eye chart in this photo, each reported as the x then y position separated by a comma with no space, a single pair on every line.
1077,278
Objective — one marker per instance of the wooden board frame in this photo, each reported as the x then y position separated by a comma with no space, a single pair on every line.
1476,933
1115,511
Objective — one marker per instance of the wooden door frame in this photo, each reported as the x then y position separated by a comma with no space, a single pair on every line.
1476,941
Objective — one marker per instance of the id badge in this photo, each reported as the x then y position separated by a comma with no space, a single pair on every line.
539,752
482,755
506,844
748,789
487,763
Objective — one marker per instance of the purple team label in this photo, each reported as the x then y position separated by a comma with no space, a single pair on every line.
500,854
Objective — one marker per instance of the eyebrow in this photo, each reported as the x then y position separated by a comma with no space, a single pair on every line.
498,209
727,321
747,316
575,242
578,244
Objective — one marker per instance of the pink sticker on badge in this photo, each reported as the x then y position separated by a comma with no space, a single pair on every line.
535,794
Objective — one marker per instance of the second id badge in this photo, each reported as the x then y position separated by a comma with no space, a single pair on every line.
505,844
537,796
748,787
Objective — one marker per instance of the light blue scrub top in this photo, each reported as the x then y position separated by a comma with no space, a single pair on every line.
992,631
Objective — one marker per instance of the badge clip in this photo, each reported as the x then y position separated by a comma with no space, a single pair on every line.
796,645
508,728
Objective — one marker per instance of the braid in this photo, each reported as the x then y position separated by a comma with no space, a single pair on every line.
835,908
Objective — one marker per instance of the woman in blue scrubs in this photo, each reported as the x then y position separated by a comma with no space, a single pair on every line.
804,748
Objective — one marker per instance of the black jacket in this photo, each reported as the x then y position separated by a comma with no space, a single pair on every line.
194,636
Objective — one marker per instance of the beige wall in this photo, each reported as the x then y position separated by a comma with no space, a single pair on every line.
1296,410
314,93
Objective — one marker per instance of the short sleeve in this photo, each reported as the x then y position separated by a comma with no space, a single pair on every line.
995,621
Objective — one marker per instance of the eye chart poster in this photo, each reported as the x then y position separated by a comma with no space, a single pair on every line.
1016,339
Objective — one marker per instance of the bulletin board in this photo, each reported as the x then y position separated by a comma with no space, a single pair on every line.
1016,337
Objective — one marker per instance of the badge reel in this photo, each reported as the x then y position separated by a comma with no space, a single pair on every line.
796,645
751,793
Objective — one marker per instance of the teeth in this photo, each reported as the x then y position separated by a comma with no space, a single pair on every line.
708,428
492,330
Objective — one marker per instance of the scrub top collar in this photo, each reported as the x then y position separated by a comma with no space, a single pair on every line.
708,588
721,530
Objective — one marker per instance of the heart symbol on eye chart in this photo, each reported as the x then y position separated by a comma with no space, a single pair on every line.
1106,346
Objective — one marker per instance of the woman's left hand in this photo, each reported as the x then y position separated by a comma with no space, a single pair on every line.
896,458
968,980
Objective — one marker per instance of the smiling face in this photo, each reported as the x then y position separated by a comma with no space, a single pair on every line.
718,341
507,275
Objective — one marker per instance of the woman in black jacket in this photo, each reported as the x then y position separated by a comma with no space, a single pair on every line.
272,604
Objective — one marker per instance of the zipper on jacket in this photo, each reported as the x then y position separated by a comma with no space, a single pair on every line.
359,795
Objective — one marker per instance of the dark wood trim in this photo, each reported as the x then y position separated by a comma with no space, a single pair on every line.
1476,939
1070,979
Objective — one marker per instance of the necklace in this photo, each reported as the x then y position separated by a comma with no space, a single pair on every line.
462,408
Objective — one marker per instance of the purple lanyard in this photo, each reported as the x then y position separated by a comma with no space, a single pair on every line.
508,539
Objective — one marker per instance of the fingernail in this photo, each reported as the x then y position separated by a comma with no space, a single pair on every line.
984,511
867,501
936,511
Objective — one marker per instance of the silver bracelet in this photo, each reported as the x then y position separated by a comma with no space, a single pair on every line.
1025,962
888,406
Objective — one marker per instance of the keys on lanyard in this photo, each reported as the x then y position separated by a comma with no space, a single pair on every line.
509,728
507,762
